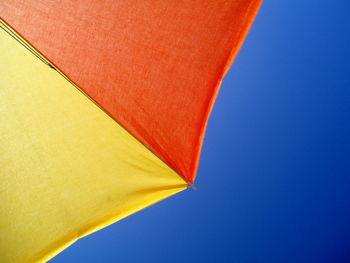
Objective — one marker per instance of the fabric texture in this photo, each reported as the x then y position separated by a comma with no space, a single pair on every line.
104,106
154,66
66,168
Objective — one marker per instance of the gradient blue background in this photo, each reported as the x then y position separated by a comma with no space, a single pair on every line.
274,178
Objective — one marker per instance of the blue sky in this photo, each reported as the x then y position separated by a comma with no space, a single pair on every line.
274,178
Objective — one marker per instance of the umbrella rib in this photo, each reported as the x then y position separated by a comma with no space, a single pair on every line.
18,38
25,45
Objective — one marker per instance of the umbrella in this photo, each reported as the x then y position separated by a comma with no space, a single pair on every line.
104,106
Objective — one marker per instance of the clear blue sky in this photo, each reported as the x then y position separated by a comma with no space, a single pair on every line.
274,178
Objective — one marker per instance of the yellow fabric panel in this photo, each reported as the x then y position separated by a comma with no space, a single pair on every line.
66,168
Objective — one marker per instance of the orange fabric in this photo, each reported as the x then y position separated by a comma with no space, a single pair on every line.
154,66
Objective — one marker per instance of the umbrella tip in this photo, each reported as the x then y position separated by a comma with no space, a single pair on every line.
193,187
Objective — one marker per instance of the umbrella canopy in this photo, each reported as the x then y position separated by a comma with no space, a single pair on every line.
104,107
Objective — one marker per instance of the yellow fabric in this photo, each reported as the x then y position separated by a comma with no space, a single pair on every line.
66,168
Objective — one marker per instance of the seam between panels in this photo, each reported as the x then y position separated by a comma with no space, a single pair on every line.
249,18
58,246
26,44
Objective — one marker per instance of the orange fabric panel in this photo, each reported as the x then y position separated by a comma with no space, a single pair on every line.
154,66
